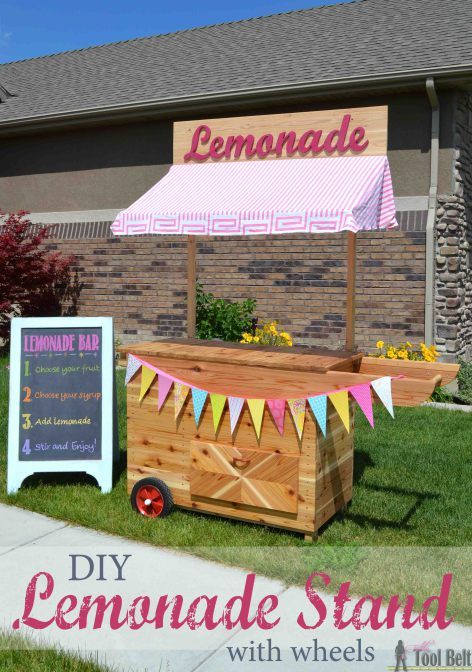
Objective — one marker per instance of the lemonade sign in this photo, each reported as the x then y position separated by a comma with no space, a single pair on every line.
61,398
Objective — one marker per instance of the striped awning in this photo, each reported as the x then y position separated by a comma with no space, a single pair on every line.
265,197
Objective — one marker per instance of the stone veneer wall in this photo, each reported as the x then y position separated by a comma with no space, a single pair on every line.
300,281
453,302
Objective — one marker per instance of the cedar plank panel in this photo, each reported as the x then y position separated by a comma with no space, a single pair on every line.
373,118
418,370
285,358
159,446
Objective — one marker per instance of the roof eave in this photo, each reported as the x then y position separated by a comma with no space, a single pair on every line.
460,76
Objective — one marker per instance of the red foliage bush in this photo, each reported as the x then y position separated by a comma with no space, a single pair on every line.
33,281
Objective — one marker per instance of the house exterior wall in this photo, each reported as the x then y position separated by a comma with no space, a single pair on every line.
453,305
141,281
110,167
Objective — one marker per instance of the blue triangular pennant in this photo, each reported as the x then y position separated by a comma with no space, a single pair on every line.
318,406
199,398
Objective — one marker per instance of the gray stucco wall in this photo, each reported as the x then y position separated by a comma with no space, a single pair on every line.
111,166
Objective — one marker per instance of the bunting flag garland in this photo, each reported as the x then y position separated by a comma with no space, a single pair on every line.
361,393
132,367
199,397
180,395
319,406
256,409
277,410
383,389
147,376
163,386
340,401
217,405
363,396
235,407
297,408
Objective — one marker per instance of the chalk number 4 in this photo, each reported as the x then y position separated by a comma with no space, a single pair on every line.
26,450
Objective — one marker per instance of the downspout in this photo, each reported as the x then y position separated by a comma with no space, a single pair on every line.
429,331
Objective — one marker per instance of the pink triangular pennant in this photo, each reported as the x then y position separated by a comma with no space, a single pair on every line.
363,396
163,386
277,411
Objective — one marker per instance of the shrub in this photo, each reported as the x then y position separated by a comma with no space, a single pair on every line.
464,383
33,281
268,334
220,318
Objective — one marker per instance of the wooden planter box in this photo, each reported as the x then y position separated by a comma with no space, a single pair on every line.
276,480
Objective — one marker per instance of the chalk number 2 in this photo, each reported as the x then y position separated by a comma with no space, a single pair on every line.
27,397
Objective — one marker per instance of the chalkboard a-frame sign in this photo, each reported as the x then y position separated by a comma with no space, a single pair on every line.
61,398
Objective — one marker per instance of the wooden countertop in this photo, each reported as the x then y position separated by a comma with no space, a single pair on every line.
307,359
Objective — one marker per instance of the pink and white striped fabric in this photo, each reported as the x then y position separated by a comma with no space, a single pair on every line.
265,197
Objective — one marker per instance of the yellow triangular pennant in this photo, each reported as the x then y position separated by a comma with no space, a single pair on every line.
256,409
340,401
297,409
217,405
147,376
180,395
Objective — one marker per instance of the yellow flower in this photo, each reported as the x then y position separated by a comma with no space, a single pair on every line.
380,344
256,339
408,344
391,353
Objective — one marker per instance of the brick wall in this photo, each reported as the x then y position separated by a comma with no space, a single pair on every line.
300,281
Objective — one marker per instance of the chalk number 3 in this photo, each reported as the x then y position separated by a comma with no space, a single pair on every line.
27,420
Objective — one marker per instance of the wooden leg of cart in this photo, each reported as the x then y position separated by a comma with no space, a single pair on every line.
313,537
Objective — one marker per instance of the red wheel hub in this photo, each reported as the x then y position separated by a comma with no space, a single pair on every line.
149,501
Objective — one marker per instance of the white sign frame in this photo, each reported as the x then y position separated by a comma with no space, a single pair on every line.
102,469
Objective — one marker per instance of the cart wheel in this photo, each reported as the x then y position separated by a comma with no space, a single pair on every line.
151,497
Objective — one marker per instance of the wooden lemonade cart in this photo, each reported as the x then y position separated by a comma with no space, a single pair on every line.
253,433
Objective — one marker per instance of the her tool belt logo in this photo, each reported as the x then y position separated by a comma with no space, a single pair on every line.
424,656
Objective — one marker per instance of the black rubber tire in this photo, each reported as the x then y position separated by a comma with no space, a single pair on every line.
164,490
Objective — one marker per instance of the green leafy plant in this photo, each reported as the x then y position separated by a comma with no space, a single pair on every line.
221,318
442,395
464,383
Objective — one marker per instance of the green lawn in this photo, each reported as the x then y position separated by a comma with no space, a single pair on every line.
18,655
412,490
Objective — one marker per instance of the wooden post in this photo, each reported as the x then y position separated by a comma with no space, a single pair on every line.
191,285
351,292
